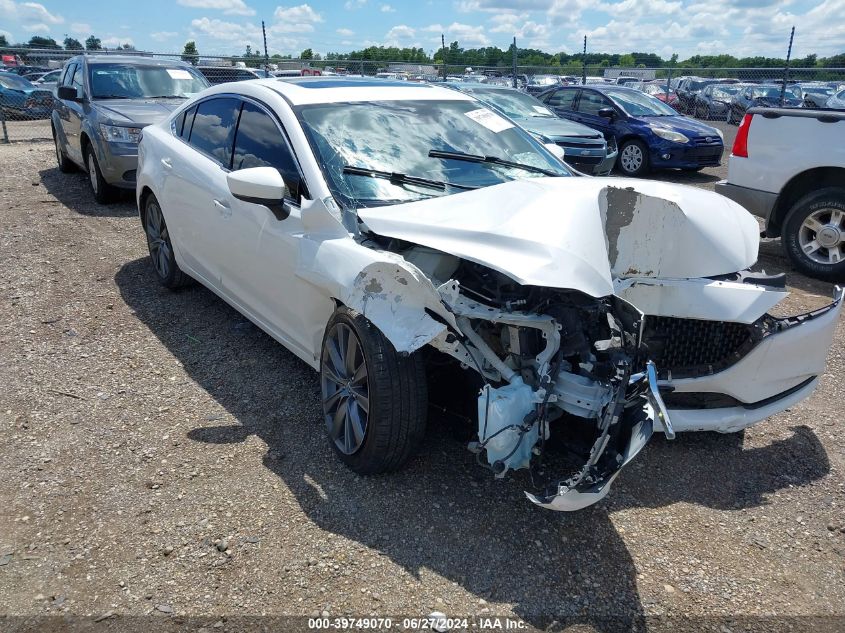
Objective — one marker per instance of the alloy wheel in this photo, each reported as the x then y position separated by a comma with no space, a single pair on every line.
822,236
632,158
157,240
345,389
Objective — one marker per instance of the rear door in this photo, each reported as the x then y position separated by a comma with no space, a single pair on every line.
196,193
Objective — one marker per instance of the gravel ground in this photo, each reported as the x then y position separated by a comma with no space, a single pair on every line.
160,455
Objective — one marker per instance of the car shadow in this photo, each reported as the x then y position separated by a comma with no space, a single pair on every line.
681,177
573,568
74,192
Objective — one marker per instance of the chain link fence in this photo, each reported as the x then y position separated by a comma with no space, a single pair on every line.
29,77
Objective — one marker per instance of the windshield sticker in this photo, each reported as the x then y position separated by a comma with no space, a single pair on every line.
540,109
489,119
178,73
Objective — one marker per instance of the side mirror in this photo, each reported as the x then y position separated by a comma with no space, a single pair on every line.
260,185
557,150
607,113
68,93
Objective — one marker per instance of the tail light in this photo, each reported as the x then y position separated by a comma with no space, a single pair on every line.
741,141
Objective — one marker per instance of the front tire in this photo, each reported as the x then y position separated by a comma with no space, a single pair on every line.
374,399
161,248
633,158
814,234
104,193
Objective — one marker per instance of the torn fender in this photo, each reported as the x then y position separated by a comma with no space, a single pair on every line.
391,292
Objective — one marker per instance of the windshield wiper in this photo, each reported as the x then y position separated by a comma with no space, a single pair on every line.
489,160
111,97
165,97
402,179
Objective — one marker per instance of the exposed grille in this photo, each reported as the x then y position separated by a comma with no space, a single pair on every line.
692,347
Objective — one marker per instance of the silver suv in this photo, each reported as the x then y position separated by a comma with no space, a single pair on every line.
102,103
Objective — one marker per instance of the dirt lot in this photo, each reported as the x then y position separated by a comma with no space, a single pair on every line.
160,455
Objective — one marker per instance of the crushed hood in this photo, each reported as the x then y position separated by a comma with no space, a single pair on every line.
580,233
138,111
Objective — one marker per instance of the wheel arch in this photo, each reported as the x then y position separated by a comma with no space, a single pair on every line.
797,187
146,192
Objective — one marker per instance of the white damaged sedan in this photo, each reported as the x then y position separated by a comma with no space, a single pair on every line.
415,247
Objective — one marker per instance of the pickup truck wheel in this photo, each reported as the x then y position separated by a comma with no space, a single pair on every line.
161,248
374,400
814,234
65,164
633,158
103,192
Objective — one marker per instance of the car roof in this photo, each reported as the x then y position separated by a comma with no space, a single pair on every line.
141,60
309,90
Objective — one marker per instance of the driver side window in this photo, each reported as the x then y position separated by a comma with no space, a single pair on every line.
591,102
562,99
260,143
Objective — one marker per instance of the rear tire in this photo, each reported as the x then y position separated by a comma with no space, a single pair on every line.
66,166
104,193
375,400
814,234
162,255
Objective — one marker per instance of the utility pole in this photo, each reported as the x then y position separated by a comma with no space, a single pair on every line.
443,49
513,63
786,68
584,64
266,58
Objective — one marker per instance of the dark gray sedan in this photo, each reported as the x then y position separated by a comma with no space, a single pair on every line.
585,149
102,103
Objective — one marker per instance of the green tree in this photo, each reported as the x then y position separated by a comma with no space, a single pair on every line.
72,44
93,44
627,61
36,41
127,47
306,54
4,43
190,53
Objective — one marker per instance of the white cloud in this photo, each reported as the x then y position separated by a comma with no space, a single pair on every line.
467,35
81,28
163,36
114,42
345,32
38,28
352,5
399,35
386,8
228,7
299,19
32,13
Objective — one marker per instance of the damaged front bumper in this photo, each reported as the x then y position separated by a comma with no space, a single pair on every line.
780,371
627,426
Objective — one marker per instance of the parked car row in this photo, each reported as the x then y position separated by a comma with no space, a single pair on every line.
21,99
416,245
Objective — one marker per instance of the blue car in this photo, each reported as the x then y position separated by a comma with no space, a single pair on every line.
649,133
21,99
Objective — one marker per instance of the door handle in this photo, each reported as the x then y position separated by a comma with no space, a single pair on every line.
166,163
223,208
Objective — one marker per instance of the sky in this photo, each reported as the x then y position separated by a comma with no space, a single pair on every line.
685,27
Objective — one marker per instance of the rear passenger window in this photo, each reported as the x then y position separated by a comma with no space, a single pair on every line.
182,124
213,129
562,99
259,143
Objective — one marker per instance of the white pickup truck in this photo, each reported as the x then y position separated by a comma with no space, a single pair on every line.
788,166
